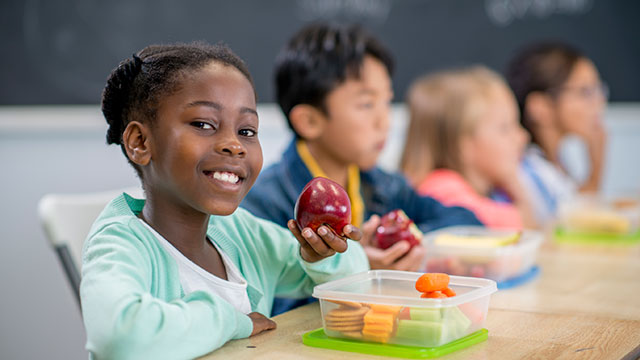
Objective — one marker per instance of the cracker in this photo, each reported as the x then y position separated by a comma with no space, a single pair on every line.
358,318
344,320
353,334
348,304
341,311
344,323
343,328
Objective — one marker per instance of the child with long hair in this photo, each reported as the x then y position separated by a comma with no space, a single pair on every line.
560,96
464,142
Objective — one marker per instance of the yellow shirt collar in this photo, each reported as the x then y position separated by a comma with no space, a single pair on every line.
353,181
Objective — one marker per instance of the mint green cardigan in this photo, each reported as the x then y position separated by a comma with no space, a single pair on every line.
134,307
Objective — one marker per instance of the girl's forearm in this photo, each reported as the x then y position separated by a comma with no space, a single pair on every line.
596,157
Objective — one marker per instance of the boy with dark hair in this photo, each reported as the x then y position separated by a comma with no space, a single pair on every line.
333,84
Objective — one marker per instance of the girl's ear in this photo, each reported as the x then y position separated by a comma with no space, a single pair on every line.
539,108
136,143
307,121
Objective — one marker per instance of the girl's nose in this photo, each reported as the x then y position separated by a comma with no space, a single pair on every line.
231,146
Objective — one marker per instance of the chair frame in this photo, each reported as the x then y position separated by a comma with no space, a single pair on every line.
54,226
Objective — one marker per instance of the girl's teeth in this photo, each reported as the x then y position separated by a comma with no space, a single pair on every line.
228,177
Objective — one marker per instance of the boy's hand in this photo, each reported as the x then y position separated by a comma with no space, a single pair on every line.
261,323
396,257
325,243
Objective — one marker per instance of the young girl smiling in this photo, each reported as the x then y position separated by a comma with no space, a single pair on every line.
179,274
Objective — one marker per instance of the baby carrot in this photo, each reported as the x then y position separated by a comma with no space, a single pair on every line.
433,295
432,282
449,292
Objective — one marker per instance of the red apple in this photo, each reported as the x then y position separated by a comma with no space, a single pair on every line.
396,226
323,201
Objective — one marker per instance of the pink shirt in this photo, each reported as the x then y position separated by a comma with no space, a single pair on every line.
451,189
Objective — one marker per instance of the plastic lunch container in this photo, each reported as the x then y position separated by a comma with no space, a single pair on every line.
594,215
383,306
471,258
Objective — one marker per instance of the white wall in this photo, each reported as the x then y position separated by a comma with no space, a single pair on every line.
62,149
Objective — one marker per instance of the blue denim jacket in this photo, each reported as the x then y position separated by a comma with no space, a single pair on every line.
274,195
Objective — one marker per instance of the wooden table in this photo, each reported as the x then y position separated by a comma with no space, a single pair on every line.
584,305
594,280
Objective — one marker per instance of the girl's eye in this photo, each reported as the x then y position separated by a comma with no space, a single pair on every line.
202,125
247,132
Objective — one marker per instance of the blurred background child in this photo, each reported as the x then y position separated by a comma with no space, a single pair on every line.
464,141
560,94
333,84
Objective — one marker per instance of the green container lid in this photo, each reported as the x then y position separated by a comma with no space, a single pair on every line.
564,236
317,338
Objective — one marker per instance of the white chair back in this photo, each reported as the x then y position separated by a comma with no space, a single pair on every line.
67,219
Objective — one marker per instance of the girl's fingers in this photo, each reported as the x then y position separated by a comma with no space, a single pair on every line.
352,232
317,244
304,245
261,323
332,240
325,242
294,228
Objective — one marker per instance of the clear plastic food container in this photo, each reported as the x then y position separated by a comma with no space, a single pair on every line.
590,214
383,306
477,251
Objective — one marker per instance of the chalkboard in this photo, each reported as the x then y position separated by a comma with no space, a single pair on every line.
60,52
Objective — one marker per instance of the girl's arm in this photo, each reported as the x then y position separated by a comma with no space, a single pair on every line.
123,320
596,144
279,253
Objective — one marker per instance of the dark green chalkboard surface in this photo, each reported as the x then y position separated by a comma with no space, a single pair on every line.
60,52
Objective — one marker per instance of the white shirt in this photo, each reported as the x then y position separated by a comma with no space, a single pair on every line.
547,185
193,277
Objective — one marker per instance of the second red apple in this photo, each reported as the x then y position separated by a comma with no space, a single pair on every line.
396,226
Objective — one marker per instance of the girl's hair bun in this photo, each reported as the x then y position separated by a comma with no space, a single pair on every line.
116,96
